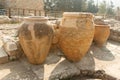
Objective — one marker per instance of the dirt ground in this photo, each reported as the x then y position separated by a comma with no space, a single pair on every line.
57,67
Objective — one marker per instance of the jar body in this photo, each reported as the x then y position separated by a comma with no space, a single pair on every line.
76,35
101,35
35,38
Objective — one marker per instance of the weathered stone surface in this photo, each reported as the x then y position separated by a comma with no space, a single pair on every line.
8,34
114,29
12,48
16,19
4,19
16,54
16,71
99,21
63,70
91,64
2,3
114,35
57,67
25,4
3,56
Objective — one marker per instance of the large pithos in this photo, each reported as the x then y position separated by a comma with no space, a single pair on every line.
101,35
76,34
35,36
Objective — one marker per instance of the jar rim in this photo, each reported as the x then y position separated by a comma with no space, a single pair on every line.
77,14
102,25
36,18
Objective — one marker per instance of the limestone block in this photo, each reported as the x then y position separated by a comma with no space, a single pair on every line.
3,56
12,48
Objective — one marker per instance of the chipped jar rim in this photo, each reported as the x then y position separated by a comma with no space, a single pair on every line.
78,14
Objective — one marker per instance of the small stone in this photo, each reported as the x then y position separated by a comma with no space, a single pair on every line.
99,74
10,46
84,72
91,73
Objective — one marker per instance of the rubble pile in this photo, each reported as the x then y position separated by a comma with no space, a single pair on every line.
114,29
9,44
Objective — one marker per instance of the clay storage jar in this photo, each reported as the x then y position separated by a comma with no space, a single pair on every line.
101,35
76,34
35,36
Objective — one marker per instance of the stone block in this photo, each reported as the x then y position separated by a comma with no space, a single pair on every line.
4,19
3,56
12,48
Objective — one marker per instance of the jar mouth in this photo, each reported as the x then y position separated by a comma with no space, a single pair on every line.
102,25
36,18
78,14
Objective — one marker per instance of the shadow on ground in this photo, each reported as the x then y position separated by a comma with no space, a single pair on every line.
55,66
102,53
16,71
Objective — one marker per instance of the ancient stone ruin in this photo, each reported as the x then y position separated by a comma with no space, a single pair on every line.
73,47
24,4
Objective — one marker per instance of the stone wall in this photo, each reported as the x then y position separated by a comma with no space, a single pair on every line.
25,4
2,3
115,35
